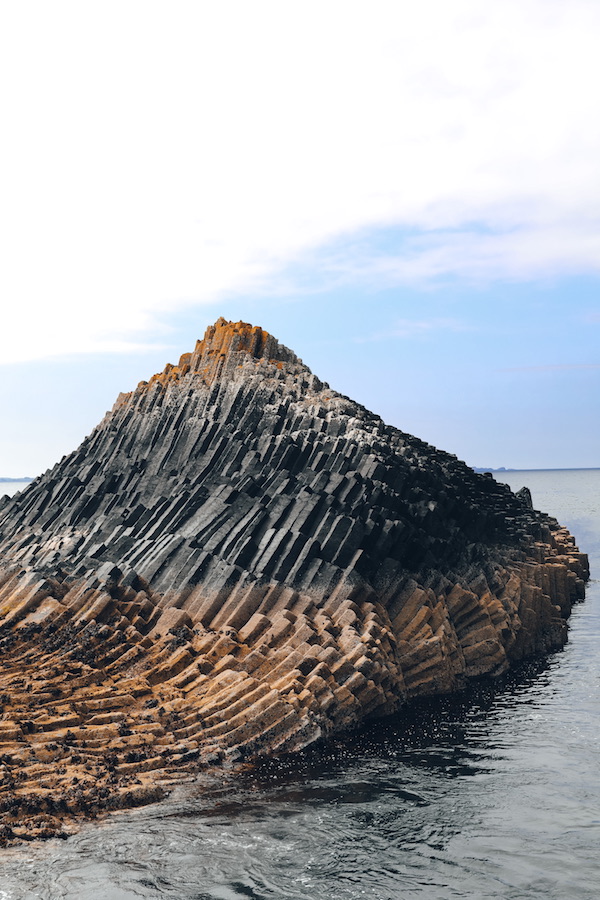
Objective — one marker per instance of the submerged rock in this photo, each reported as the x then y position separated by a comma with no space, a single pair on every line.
237,561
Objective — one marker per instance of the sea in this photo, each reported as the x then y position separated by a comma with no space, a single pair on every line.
493,794
12,487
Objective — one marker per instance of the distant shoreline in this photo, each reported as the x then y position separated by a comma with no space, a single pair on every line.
4,480
481,470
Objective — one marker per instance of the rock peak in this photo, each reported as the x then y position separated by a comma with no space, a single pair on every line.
223,339
226,346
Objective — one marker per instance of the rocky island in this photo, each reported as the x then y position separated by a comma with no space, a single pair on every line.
238,561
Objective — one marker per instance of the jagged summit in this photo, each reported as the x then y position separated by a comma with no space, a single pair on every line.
239,560
225,346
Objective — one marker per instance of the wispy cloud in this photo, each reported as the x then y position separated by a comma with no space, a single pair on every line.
474,255
410,329
157,159
592,318
553,367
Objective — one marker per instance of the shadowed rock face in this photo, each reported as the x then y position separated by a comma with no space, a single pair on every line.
239,560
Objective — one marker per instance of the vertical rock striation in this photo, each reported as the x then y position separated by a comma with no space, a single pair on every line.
238,560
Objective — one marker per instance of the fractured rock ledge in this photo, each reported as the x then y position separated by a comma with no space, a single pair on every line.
238,561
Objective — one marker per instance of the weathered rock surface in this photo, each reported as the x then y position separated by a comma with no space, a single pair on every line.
238,560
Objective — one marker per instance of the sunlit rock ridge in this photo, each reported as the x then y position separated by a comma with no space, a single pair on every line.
237,561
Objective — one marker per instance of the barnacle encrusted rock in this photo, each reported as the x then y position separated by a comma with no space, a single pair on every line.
239,560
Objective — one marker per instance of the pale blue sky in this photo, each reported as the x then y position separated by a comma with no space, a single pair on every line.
407,197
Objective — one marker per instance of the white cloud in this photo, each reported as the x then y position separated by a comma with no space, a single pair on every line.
160,155
415,328
552,367
523,253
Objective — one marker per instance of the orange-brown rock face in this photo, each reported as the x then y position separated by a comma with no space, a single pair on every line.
238,561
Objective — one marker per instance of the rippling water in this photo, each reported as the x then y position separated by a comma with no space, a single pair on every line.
495,794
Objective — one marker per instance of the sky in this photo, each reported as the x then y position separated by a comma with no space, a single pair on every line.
407,195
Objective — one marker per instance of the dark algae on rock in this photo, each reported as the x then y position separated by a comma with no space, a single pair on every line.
237,561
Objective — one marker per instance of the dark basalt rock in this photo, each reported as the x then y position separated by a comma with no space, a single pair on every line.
239,560
524,495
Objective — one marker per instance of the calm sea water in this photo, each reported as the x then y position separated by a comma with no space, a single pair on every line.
494,794
11,487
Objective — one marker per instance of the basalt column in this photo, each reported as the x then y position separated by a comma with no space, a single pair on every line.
238,560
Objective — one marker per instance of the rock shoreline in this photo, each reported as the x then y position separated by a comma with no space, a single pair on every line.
237,562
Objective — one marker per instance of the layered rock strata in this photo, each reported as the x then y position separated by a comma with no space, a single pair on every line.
238,560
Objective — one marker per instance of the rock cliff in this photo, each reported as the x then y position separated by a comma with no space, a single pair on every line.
239,560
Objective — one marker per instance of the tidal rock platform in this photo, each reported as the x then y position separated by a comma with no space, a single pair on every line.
238,561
